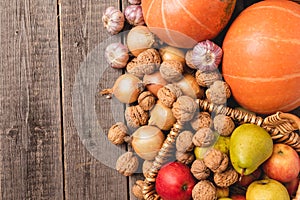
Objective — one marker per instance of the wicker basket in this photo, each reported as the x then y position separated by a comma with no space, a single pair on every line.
281,126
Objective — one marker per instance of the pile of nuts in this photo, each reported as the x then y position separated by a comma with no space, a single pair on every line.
160,87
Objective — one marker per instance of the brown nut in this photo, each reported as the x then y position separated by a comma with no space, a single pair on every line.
169,94
136,116
204,137
216,160
207,78
226,178
200,170
146,100
117,133
223,124
184,108
204,190
171,70
147,164
201,120
127,164
184,141
185,157
137,189
218,92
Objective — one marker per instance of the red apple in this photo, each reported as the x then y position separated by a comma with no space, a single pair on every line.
284,163
175,181
238,197
292,186
248,179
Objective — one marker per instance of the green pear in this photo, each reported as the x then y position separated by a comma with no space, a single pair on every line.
250,146
267,189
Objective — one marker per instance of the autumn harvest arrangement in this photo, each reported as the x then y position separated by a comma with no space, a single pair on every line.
177,82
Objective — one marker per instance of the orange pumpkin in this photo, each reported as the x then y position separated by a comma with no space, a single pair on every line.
182,23
261,61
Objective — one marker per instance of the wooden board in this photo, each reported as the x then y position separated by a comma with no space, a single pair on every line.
30,111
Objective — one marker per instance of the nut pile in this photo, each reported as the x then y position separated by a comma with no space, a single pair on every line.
160,87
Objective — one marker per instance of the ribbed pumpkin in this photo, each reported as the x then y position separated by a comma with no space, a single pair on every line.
183,23
261,61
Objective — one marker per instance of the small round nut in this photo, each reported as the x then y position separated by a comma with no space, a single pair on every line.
200,170
184,141
137,189
216,160
204,137
146,100
185,157
223,124
117,133
226,178
127,164
207,78
204,190
171,70
136,116
218,92
201,120
169,94
184,108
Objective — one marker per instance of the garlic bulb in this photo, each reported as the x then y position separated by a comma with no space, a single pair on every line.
113,20
206,56
134,15
117,55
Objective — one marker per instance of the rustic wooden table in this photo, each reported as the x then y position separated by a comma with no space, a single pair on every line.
43,46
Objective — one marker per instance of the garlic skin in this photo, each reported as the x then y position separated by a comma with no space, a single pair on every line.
206,56
117,55
113,20
134,2
134,15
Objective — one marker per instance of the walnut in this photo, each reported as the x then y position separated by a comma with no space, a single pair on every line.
223,124
207,78
184,108
127,164
226,178
184,141
146,62
136,116
146,100
218,92
204,190
117,133
204,137
185,157
137,189
200,170
216,160
147,164
201,120
169,94
188,59
171,70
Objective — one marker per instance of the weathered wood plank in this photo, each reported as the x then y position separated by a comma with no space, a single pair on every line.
30,112
89,157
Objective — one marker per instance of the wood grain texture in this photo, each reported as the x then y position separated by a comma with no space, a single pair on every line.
87,175
30,112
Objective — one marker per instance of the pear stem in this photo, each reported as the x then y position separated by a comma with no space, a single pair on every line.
242,174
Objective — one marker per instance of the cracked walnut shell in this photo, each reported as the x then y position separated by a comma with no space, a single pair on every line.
226,178
200,170
127,164
216,160
117,133
204,137
204,190
136,116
